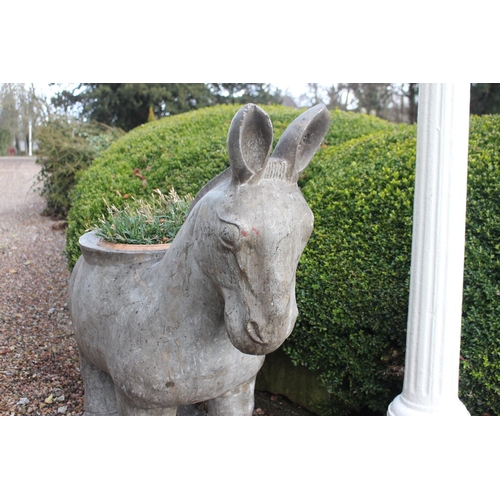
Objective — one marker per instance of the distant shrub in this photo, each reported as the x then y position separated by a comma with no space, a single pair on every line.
182,151
65,148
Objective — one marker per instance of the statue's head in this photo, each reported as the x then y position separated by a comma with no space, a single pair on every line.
255,225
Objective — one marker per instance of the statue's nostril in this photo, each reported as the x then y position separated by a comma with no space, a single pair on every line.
253,330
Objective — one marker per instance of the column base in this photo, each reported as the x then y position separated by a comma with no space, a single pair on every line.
401,407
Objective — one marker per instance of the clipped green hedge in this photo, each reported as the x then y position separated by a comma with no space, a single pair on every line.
353,281
182,151
480,349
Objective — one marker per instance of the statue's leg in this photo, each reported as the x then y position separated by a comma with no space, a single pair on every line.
126,407
239,401
99,390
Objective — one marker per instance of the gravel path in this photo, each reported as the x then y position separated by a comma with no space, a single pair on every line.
39,367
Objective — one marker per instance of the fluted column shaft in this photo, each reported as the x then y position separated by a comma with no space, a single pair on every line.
436,282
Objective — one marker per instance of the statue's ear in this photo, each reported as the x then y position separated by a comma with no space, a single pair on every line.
303,136
249,142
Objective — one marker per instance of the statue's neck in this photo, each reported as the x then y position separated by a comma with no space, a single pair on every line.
188,289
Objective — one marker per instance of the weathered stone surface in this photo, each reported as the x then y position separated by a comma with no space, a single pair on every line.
162,329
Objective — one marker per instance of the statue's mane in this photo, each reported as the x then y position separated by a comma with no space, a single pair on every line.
275,169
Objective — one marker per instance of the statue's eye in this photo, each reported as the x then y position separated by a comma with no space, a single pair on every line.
230,234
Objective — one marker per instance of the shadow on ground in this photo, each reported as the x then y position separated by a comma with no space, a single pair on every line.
266,405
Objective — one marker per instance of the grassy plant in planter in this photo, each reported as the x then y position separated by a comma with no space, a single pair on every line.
145,222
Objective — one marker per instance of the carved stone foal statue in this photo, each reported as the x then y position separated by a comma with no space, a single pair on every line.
195,324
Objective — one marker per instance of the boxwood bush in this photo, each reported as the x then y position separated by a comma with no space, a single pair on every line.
353,281
182,151
480,352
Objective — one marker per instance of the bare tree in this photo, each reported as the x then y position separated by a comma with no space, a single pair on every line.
316,93
413,105
339,96
20,107
372,98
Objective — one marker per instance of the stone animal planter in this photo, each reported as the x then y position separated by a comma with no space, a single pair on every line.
160,329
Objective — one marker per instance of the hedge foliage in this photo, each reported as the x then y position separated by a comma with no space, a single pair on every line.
480,348
182,151
353,278
65,148
353,282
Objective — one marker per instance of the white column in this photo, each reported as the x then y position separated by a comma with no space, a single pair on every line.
435,311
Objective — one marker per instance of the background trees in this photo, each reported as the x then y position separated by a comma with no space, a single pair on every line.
485,98
20,105
372,98
243,93
128,105
395,102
